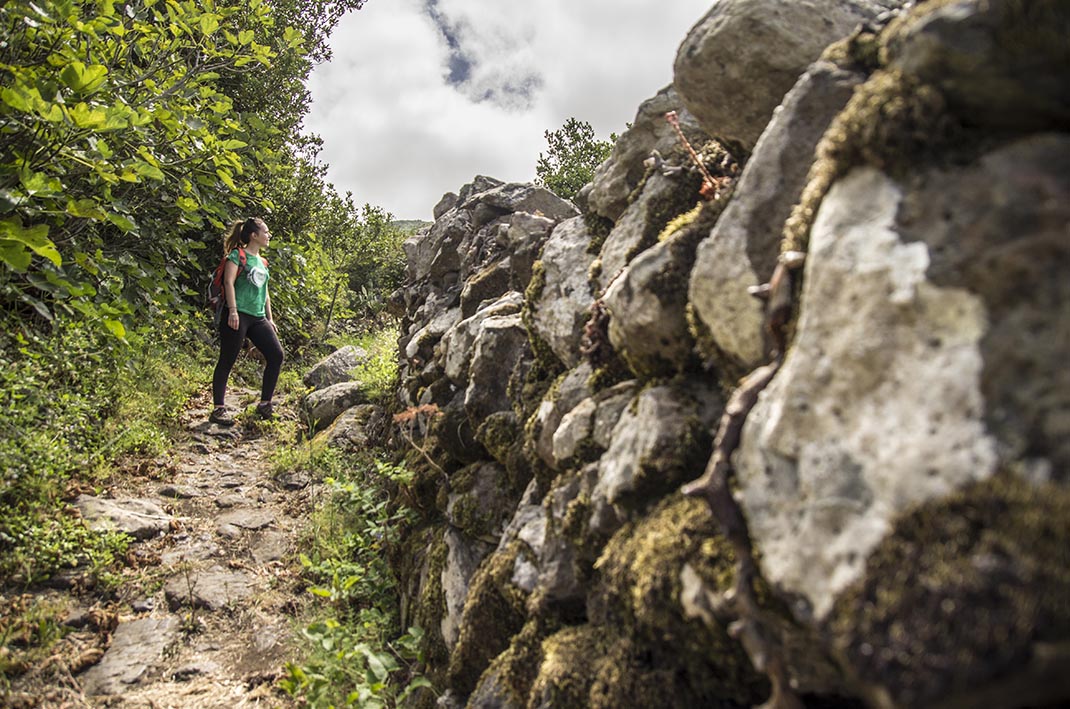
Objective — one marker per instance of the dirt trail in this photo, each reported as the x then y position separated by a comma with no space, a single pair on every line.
208,608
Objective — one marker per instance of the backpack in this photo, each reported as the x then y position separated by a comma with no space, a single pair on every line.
215,296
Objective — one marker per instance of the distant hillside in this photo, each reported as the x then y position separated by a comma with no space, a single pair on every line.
410,226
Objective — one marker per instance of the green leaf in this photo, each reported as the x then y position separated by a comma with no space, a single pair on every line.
225,176
146,170
122,222
85,209
39,306
17,98
209,23
83,79
85,117
36,238
116,328
15,254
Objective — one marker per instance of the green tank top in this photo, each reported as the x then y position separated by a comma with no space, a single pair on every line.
250,287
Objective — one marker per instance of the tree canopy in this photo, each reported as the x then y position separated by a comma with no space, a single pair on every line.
132,132
572,158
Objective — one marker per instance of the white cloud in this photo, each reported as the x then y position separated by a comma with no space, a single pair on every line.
398,135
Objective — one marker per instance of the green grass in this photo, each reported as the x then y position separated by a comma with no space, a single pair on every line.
355,653
71,405
380,372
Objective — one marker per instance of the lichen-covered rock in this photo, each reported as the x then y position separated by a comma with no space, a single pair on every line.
728,77
660,441
616,178
335,368
571,388
493,614
647,305
487,285
742,248
458,344
463,557
500,347
479,504
356,429
1000,62
523,238
911,326
421,345
559,297
662,199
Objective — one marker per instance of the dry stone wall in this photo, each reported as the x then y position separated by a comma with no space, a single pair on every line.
881,514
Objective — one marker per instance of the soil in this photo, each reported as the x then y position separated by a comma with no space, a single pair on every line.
207,610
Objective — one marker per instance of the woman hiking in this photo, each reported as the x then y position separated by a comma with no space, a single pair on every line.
248,315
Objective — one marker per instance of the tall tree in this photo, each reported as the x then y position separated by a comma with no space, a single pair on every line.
572,158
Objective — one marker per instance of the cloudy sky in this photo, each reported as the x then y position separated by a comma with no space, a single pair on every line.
423,95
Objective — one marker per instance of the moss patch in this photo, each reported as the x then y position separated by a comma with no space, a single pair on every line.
892,122
493,613
598,227
639,590
960,591
430,604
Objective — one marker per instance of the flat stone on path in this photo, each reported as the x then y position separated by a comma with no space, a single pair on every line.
179,492
136,649
246,518
140,518
269,546
234,499
211,590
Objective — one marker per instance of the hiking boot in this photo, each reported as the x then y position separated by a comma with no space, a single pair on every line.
220,417
265,410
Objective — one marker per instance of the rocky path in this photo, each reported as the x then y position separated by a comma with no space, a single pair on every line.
206,611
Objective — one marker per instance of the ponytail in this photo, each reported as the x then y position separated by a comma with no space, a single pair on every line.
239,232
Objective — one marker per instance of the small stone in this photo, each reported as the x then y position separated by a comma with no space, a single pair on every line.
179,492
228,501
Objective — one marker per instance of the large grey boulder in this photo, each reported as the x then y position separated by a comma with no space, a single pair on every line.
661,438
617,177
1000,62
355,429
336,367
905,381
647,305
500,347
463,558
520,197
325,405
741,250
435,253
637,229
458,344
739,60
562,296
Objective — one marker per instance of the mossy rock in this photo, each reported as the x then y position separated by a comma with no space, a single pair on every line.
960,598
493,613
597,667
428,549
638,590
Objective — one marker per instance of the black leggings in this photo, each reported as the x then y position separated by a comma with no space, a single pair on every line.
261,333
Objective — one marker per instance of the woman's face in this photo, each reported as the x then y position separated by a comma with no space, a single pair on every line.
262,236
